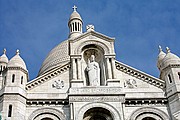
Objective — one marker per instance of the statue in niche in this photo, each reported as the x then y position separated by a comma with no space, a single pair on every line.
93,72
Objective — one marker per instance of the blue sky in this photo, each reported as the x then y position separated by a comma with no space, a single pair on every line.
139,26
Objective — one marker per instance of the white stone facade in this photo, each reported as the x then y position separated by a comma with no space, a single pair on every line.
62,90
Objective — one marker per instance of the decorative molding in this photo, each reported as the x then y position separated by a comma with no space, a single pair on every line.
14,98
96,99
146,101
35,102
45,77
58,84
140,75
130,83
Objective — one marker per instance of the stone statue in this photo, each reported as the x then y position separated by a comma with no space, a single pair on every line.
93,72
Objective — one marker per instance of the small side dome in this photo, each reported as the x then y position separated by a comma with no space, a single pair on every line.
160,57
17,61
170,59
4,58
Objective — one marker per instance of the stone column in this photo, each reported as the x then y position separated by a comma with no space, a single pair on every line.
113,68
79,68
72,111
74,69
108,68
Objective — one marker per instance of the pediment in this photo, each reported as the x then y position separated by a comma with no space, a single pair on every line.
92,35
45,78
140,75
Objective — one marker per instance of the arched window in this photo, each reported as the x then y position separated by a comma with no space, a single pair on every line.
10,111
179,75
169,77
21,79
1,68
75,26
4,80
13,78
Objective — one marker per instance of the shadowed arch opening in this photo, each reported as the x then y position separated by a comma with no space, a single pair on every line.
46,119
148,118
97,113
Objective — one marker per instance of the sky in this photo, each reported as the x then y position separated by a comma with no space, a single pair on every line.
138,26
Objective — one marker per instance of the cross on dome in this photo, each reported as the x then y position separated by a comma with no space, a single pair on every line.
74,8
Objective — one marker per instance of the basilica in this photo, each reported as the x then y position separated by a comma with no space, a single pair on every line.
80,79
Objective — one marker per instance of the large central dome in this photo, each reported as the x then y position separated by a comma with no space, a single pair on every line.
57,57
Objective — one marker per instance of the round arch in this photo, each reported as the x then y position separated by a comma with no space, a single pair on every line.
47,113
144,112
106,49
106,106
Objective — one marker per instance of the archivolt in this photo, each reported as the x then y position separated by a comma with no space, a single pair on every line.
89,42
86,107
46,111
142,112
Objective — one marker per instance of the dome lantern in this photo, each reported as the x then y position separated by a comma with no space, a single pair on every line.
75,24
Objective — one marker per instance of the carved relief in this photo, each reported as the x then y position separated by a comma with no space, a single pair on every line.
130,83
58,84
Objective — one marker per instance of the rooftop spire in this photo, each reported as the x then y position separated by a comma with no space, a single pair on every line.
17,52
168,50
74,8
160,49
4,51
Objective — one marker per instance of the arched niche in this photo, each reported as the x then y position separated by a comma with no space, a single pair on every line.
98,52
148,113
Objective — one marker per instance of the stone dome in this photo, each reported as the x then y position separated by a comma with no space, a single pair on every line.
17,61
58,56
170,59
4,59
75,15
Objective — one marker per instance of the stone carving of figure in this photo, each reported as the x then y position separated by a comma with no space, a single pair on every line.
93,72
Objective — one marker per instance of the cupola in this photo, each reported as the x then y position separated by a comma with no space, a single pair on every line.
17,61
75,24
4,58
3,61
169,59
160,57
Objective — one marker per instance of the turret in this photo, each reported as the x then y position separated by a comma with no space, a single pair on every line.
17,73
14,103
169,66
3,65
75,24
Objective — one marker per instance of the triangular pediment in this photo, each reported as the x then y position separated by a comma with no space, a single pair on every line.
140,75
43,79
93,35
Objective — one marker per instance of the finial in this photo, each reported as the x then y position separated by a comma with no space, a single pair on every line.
17,52
4,51
160,49
168,50
74,8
